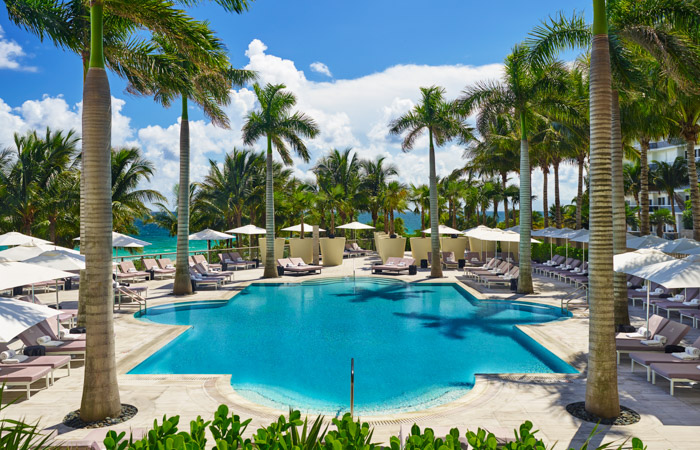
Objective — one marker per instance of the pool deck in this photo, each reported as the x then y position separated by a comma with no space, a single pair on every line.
498,402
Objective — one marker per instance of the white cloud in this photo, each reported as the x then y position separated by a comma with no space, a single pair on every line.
10,52
350,113
321,68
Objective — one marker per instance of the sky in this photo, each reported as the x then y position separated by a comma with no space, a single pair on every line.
354,66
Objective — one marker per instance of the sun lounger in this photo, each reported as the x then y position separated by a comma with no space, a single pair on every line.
672,331
67,315
501,268
74,348
46,285
53,361
504,279
656,324
205,272
24,377
297,266
678,303
394,265
235,260
165,263
128,272
199,280
473,259
200,259
692,314
555,261
676,373
152,266
647,359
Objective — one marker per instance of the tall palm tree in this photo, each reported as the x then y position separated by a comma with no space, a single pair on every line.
129,171
669,177
375,175
632,173
601,387
420,197
281,128
340,169
443,124
395,200
525,92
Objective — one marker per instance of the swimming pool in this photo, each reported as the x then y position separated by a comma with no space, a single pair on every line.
414,345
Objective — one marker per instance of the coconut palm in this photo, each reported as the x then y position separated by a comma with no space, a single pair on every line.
667,178
340,169
525,92
660,218
443,124
375,175
632,173
395,200
281,129
419,196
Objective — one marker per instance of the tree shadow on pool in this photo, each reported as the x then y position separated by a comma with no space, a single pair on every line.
391,293
457,327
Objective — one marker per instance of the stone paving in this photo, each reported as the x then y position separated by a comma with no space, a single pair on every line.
497,402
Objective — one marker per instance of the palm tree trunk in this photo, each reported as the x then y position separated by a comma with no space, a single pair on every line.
391,221
602,397
504,178
270,265
619,214
693,180
644,227
545,194
672,200
557,201
83,274
182,284
100,388
525,249
579,192
436,263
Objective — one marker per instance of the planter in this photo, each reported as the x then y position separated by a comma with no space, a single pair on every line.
420,248
456,245
387,247
302,248
279,248
332,251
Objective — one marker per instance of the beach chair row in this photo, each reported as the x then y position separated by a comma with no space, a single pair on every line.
568,270
495,272
657,349
685,302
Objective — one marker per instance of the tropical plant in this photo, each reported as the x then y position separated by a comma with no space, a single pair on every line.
667,178
443,124
660,218
280,128
525,92
395,201
374,177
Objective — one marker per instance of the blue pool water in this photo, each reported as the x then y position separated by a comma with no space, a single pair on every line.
414,345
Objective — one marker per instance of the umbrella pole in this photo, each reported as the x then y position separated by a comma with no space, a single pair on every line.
58,319
648,302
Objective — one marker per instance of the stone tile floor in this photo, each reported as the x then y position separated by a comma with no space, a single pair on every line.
498,402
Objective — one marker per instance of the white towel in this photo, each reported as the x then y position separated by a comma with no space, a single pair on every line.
402,264
629,284
693,302
42,340
16,360
677,298
651,343
53,343
228,261
169,266
239,259
475,259
7,354
684,356
693,351
658,340
658,291
641,289
66,336
642,332
131,270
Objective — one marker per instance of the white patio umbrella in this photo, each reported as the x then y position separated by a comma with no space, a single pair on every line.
482,233
443,229
649,241
16,316
355,226
631,262
248,230
516,229
26,251
308,228
14,274
546,233
14,238
59,259
209,235
680,246
124,241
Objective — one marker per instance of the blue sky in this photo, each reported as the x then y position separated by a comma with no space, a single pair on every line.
368,47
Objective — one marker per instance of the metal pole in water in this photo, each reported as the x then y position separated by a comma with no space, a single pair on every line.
352,387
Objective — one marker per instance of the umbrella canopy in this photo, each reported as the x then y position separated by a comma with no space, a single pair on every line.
649,241
544,232
247,229
581,236
481,232
443,229
561,233
123,241
682,245
516,229
59,259
16,316
675,274
13,274
14,238
26,251
308,228
209,235
630,262
510,236
354,226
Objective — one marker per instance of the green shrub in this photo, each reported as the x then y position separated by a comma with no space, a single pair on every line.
292,433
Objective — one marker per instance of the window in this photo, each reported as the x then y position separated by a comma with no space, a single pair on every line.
662,201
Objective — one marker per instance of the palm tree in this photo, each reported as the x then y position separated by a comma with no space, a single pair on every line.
420,197
395,200
662,217
525,92
443,124
601,387
281,128
375,175
129,171
669,177
340,169
302,199
632,181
